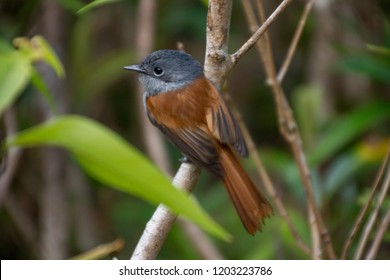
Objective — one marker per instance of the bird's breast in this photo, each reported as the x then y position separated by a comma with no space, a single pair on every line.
182,108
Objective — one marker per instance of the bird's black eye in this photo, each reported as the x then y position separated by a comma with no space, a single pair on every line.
158,71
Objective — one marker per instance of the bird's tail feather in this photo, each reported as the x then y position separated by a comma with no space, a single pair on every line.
252,207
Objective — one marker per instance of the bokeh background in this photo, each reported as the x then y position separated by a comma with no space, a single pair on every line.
338,86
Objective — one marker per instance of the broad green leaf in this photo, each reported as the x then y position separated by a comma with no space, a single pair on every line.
344,129
109,159
95,4
15,72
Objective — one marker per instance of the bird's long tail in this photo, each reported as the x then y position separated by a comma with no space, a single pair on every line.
251,205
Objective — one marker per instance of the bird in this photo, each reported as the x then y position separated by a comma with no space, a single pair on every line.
188,109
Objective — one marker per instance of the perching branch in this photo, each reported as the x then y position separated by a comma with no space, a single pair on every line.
217,62
162,220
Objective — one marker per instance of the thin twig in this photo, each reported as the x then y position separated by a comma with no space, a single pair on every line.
383,227
101,251
271,190
201,242
12,156
289,130
253,25
256,36
294,42
374,216
359,220
265,50
315,235
26,225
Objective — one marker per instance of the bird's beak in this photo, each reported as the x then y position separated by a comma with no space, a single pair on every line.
136,68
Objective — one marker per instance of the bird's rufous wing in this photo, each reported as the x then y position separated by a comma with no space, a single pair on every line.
223,125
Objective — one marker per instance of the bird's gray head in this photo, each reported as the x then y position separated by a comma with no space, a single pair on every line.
167,70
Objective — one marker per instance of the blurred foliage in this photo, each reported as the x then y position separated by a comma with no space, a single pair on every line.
111,161
343,116
17,70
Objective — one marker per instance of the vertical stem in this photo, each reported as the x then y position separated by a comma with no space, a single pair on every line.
160,224
217,60
54,212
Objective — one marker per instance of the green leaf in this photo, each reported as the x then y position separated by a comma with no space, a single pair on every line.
375,68
342,169
344,129
110,160
307,102
205,2
48,55
38,49
5,46
378,49
15,72
95,4
71,5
